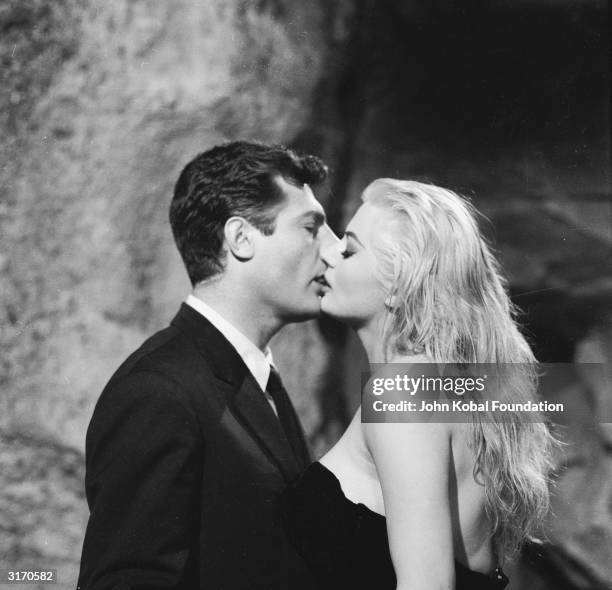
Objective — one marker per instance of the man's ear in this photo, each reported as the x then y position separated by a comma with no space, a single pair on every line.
239,238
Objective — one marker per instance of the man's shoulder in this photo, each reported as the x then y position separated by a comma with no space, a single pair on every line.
168,361
167,370
167,352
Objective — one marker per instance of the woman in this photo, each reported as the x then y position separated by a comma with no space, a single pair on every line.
423,505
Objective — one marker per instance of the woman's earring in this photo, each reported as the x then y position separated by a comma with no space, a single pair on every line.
390,303
416,349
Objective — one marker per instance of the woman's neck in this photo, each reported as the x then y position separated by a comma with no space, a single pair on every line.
371,336
373,341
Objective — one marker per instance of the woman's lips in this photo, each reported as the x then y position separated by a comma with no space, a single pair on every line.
323,284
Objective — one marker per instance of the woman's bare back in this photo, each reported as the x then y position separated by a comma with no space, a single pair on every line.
351,462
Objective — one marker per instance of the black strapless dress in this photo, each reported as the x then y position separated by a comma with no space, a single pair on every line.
345,544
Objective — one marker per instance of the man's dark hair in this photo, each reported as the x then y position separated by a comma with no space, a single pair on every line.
234,179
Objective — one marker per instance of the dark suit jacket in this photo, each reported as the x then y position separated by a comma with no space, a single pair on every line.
185,462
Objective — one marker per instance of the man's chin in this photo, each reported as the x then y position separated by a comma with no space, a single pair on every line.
310,312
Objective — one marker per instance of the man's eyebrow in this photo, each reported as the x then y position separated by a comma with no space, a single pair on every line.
350,234
316,216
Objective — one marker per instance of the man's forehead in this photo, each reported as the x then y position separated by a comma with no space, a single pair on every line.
300,198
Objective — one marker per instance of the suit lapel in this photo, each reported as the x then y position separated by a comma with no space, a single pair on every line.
245,398
256,415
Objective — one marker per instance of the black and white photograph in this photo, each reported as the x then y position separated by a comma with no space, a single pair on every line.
305,295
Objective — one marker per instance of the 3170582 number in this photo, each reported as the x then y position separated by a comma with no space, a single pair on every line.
15,576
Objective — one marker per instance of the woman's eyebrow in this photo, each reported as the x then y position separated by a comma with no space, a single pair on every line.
352,235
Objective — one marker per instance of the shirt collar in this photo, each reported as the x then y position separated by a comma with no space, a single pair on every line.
257,362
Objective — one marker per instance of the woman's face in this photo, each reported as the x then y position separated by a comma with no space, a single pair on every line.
355,294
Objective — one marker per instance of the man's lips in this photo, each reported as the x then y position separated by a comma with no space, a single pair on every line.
323,285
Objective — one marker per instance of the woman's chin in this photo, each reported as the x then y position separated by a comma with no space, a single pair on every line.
330,307
327,304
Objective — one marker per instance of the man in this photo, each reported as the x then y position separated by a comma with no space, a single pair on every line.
194,438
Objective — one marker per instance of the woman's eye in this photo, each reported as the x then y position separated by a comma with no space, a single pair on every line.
347,254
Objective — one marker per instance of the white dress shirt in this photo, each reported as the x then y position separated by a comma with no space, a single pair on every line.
257,361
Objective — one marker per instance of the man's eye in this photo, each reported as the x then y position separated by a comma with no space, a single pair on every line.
314,230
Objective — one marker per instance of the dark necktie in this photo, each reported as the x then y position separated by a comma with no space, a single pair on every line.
288,418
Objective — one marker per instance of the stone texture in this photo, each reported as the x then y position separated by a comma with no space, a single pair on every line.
42,507
102,104
137,89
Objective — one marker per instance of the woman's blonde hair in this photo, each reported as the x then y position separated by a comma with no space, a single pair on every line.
450,303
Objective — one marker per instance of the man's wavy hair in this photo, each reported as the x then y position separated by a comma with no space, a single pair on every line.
234,179
451,304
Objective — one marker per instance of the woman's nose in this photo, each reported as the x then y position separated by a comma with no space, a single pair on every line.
331,246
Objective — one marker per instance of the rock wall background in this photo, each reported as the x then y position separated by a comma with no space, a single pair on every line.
101,104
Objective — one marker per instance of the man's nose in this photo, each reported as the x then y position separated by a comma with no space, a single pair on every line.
331,246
